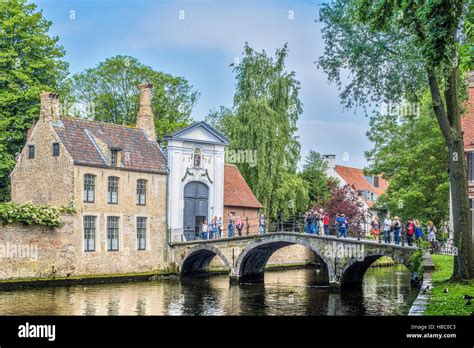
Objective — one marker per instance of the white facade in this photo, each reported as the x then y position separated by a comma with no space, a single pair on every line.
195,154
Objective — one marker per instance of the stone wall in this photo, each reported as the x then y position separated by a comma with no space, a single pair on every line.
42,252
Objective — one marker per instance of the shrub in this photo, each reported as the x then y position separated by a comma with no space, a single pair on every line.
416,261
29,214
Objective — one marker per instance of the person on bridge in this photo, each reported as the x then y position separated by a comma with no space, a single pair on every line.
342,226
204,230
262,224
239,225
375,228
316,219
396,229
220,225
230,225
410,231
326,224
309,222
418,230
387,227
432,236
214,229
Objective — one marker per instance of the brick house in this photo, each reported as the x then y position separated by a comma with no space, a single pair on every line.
115,177
239,198
131,196
467,126
370,187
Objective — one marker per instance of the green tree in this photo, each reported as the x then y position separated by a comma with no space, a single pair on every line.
111,87
314,174
30,63
396,50
263,119
410,152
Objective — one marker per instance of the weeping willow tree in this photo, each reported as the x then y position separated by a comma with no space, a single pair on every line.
263,120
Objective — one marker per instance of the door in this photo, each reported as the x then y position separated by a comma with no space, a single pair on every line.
196,203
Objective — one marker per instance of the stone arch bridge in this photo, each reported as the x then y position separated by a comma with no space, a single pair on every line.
342,261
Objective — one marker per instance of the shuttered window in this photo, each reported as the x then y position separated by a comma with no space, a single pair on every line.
470,166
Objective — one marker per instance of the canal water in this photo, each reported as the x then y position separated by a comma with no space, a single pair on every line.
385,291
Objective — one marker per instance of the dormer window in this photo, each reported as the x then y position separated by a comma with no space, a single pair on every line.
113,157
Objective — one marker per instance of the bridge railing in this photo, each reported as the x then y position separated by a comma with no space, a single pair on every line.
295,224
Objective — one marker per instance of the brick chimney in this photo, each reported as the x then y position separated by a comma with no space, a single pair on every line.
49,109
145,119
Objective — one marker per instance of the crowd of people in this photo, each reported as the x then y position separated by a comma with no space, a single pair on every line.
391,230
317,221
213,229
315,217
412,229
235,226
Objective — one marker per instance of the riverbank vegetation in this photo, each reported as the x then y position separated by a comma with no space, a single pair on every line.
447,296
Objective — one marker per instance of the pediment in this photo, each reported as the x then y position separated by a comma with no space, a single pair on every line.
200,132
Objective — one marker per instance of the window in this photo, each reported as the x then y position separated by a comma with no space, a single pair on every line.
112,233
89,188
376,181
112,195
141,191
55,149
113,157
31,151
141,233
470,166
89,233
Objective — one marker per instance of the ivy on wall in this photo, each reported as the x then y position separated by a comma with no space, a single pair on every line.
30,214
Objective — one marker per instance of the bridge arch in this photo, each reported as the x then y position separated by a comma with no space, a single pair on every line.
198,258
250,265
352,273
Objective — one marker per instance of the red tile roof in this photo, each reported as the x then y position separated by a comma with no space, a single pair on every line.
142,154
356,177
467,121
236,191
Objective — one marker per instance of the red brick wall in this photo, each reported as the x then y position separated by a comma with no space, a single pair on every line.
467,124
467,121
251,213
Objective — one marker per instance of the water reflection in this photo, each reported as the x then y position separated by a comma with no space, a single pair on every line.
386,291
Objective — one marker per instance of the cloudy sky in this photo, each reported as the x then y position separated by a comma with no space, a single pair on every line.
199,39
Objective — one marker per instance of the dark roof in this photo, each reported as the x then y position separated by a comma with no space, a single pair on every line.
222,138
236,191
140,154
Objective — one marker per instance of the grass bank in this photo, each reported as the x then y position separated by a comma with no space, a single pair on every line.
452,302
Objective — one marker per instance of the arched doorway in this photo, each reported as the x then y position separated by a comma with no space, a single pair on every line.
196,203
